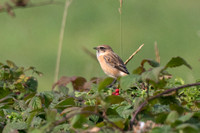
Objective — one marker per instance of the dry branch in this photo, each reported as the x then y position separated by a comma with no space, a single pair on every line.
157,96
133,54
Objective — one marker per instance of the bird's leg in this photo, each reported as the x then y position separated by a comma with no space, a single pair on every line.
114,81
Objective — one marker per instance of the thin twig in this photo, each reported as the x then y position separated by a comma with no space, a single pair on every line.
157,96
157,52
62,30
133,54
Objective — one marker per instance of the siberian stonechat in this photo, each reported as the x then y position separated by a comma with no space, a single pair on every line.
110,62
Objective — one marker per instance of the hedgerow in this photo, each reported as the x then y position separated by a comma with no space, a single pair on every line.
148,100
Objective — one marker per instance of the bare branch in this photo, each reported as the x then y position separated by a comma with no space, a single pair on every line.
157,96
133,54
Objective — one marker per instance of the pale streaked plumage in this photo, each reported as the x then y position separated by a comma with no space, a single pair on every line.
110,62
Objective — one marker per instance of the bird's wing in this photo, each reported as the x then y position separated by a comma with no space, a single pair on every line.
115,61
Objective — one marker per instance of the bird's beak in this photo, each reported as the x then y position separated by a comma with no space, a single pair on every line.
95,48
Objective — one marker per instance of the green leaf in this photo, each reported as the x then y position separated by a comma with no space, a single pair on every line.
63,90
15,126
128,81
89,108
103,84
177,61
4,93
36,122
66,103
163,129
188,128
31,84
51,115
172,117
125,111
186,117
61,128
120,124
161,117
113,99
36,131
31,117
48,97
70,110
137,102
151,63
35,103
152,75
100,124
78,121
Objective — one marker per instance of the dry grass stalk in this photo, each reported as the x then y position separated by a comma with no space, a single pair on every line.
62,30
120,8
157,52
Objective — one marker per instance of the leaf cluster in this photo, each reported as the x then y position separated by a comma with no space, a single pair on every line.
91,106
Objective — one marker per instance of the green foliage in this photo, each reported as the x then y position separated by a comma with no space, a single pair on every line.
90,106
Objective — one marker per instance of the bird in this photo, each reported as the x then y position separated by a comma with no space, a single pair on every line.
110,62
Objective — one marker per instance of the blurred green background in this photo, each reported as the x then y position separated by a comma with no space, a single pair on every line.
31,38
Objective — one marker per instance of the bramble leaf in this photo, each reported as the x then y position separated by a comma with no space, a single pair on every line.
66,103
10,127
177,61
113,99
35,103
128,81
172,117
103,84
151,63
152,75
78,121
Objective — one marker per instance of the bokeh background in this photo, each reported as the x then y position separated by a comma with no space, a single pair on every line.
31,38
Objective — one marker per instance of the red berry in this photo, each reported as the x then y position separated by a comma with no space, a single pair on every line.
117,90
116,94
113,93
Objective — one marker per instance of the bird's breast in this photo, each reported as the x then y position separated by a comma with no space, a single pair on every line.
108,68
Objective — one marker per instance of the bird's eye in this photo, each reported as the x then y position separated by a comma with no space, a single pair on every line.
102,48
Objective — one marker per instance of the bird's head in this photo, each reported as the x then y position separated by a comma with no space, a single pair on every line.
103,48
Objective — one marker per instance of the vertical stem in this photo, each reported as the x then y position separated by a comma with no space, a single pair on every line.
120,13
121,47
157,52
62,30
